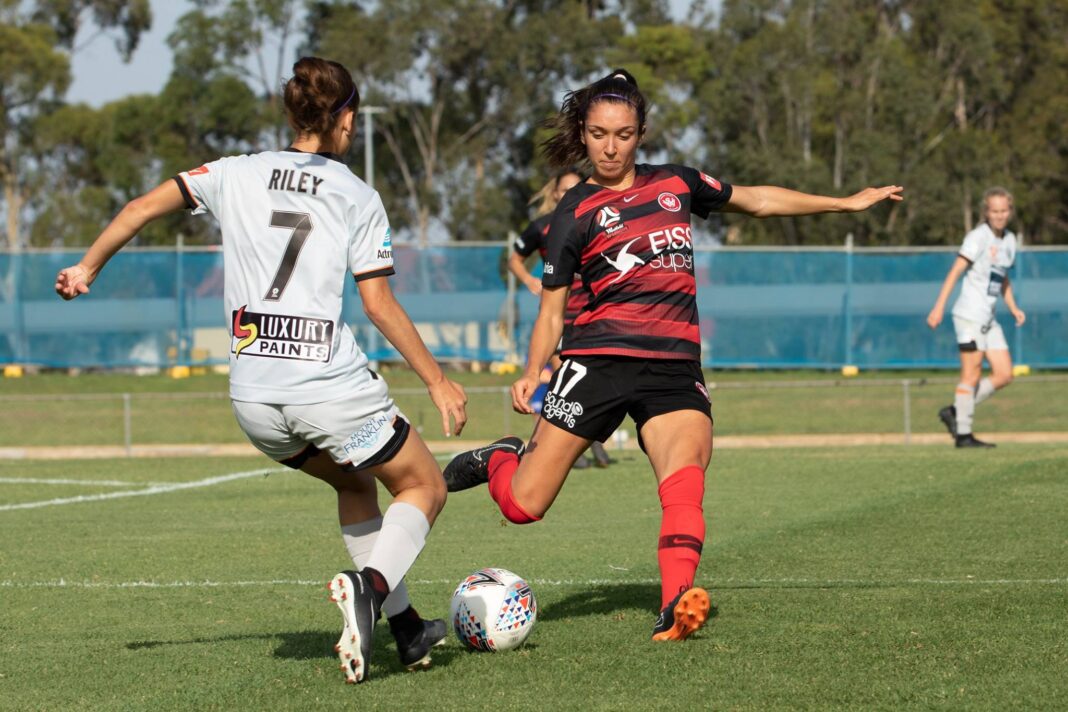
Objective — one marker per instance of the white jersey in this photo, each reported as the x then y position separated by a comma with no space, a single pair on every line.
294,226
991,259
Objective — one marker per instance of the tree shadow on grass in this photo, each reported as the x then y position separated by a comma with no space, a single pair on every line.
314,645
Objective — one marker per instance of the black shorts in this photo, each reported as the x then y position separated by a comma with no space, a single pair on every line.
590,395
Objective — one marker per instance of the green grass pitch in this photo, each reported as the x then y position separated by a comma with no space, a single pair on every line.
861,578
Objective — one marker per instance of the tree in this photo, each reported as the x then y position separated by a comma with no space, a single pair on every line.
35,41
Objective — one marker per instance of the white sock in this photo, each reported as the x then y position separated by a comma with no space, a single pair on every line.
403,534
360,540
984,391
964,402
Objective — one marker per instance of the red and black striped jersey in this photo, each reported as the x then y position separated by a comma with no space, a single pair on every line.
634,251
536,237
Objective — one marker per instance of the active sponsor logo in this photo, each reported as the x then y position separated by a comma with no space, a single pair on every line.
711,181
557,408
673,248
548,268
624,261
386,251
669,202
281,336
369,434
198,171
630,198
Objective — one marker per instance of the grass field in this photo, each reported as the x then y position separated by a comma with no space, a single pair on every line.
196,410
862,578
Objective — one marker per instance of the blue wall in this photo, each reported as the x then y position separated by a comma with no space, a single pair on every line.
759,308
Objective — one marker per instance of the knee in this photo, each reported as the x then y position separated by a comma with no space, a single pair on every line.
1000,380
522,512
437,495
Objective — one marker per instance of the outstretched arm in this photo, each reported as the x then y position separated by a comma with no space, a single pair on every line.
765,201
165,198
386,313
938,311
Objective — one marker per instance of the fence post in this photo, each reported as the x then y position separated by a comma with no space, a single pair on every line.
847,302
1017,282
908,411
183,352
511,318
127,435
18,301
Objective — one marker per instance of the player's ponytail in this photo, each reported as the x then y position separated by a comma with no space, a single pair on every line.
565,147
316,94
545,198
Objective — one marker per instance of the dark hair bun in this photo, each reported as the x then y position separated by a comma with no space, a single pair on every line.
315,95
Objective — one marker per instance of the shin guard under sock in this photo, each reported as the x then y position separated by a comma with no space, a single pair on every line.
682,530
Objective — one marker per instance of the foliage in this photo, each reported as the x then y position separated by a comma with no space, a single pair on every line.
825,96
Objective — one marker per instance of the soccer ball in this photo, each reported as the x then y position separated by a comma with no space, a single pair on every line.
493,610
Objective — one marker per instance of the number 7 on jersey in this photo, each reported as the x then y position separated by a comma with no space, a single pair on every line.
301,225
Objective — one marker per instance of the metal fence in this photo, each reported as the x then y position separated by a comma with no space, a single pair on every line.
902,408
759,308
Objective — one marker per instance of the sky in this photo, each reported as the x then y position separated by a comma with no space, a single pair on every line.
100,75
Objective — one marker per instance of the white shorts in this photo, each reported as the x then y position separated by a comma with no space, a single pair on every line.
360,430
977,336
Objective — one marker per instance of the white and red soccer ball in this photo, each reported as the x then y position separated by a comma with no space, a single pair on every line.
493,610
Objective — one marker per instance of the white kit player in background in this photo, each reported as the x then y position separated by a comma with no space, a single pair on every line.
985,259
295,224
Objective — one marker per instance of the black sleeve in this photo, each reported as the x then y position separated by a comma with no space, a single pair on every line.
707,194
527,242
566,242
186,195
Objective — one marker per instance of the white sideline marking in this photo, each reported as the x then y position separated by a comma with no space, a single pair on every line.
92,483
156,489
726,583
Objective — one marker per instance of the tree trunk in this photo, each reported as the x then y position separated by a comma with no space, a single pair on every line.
13,202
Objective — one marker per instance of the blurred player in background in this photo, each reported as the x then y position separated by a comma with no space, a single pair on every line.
295,224
985,259
635,349
535,238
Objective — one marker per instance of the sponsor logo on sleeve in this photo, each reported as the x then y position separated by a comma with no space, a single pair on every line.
669,202
198,171
296,338
385,252
711,181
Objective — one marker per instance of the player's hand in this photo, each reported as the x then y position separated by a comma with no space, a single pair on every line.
1019,316
535,287
934,318
73,281
522,390
451,401
870,196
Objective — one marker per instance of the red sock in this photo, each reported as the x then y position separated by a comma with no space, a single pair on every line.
682,530
502,465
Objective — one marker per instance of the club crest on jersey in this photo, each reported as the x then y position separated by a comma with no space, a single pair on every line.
296,338
711,181
624,261
669,202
